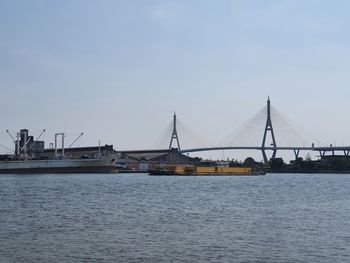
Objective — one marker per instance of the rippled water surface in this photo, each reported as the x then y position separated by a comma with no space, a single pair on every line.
139,218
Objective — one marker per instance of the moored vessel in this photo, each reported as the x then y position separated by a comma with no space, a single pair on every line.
30,156
103,165
195,170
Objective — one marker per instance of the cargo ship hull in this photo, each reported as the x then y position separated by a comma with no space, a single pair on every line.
58,166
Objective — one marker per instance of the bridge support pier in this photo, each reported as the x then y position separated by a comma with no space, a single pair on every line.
269,128
322,153
296,153
174,135
266,159
264,155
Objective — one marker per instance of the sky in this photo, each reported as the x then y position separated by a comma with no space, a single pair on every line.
117,70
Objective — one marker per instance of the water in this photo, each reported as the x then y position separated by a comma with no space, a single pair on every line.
138,218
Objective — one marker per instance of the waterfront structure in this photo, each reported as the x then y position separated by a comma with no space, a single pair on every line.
144,160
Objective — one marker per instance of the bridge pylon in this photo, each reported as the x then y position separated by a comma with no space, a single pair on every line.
268,128
174,135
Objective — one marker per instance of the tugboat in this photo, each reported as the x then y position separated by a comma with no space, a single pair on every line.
31,157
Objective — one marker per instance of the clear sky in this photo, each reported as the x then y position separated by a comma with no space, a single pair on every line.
117,70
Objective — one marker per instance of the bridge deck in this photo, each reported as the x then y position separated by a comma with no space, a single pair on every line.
286,148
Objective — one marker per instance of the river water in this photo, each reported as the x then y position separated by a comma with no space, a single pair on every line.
139,218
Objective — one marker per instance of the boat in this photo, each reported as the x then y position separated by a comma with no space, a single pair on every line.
103,165
195,170
30,157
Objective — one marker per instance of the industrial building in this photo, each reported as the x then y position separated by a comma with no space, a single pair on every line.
145,160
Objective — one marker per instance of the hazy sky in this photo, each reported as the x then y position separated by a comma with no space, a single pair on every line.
117,70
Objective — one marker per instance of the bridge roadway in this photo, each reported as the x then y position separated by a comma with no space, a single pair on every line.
296,149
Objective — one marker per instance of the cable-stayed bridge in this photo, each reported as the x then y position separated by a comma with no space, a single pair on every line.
267,131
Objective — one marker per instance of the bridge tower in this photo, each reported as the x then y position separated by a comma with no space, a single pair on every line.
268,128
174,135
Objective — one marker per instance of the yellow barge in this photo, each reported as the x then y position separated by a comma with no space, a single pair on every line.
204,170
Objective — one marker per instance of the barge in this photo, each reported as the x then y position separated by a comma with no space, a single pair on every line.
194,170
